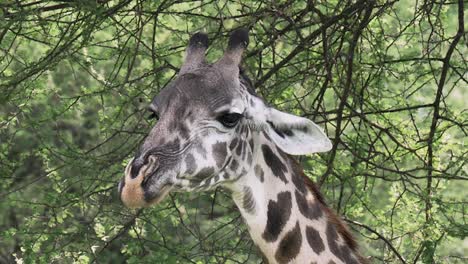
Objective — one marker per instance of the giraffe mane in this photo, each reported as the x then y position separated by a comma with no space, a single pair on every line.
332,216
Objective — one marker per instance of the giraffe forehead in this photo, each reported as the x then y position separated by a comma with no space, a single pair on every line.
201,90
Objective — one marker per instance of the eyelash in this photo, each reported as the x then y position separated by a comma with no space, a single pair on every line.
230,120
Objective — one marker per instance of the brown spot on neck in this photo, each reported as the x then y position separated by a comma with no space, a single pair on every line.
341,228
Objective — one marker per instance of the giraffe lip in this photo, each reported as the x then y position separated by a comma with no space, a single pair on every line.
159,196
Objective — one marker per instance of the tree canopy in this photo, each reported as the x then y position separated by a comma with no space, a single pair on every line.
386,79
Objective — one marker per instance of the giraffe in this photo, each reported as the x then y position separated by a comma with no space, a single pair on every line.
214,130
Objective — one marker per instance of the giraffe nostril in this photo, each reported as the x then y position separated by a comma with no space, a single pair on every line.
136,166
149,162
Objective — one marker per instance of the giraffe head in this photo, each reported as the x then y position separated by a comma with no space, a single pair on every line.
209,121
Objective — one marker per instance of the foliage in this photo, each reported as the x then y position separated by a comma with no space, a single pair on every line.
385,79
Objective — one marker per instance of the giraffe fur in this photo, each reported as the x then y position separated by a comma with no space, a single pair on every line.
214,130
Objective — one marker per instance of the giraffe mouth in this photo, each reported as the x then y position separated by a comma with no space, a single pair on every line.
154,190
159,196
146,188
138,196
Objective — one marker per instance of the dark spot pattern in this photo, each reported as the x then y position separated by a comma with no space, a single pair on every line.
251,143
234,165
239,148
276,165
243,172
332,238
304,184
220,153
283,154
205,173
233,143
314,239
289,246
310,210
249,158
277,216
259,172
243,129
267,137
248,202
298,181
201,150
244,150
343,252
190,164
195,183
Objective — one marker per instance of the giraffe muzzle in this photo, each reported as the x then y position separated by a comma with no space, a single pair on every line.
132,186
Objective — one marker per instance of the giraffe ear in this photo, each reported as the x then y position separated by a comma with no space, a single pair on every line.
296,135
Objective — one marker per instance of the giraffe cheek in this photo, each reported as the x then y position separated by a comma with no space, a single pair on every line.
219,151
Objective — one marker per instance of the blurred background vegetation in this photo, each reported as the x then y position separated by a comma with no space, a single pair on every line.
386,79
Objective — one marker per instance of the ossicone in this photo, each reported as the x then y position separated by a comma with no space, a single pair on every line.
195,53
238,41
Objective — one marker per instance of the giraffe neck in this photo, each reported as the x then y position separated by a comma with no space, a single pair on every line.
286,216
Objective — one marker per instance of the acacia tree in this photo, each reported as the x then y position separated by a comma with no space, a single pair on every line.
384,78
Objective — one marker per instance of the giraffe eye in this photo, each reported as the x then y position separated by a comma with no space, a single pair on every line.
153,115
230,119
